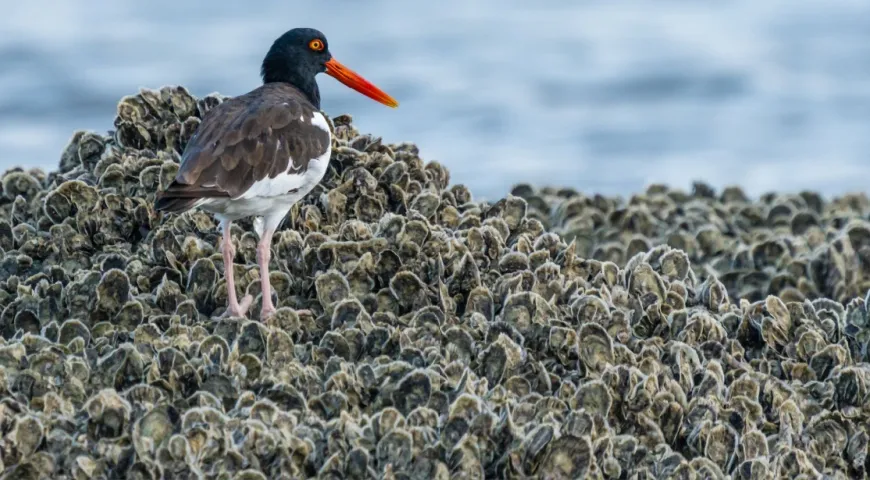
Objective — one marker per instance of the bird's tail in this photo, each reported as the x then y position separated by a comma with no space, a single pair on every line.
172,202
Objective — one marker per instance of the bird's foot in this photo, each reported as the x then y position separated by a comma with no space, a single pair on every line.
266,311
241,309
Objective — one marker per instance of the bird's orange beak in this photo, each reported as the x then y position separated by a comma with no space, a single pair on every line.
353,80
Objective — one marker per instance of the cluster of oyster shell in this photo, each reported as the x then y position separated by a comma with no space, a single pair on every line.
420,333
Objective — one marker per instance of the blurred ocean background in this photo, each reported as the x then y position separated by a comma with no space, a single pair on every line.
603,95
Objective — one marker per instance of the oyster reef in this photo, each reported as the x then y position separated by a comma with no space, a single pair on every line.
421,334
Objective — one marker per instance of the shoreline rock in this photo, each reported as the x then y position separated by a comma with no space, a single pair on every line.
421,334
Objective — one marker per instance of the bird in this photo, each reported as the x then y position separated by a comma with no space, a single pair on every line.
257,154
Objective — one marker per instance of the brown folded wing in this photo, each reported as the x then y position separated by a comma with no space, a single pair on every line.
245,139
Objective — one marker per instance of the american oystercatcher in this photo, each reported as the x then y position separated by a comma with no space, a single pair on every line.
259,153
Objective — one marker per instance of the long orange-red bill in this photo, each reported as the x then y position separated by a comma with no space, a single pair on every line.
358,83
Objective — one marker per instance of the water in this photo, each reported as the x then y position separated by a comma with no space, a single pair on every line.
606,96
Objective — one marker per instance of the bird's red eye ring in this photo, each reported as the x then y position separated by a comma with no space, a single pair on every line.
315,45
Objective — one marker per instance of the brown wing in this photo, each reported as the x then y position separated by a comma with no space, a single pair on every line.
245,139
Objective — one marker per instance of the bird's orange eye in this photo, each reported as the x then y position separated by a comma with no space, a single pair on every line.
315,45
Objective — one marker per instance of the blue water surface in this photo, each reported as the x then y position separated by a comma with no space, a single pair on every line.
603,95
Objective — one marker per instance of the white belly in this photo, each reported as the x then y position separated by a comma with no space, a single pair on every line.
254,207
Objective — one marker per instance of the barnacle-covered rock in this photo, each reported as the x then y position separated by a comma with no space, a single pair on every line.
420,333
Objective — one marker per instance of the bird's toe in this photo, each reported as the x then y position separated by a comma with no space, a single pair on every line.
266,312
246,303
240,310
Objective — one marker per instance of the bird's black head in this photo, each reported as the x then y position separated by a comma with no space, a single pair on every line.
298,55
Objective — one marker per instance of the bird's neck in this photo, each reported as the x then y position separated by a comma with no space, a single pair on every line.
308,88
278,72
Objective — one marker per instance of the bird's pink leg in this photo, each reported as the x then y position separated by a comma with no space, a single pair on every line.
234,308
263,254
